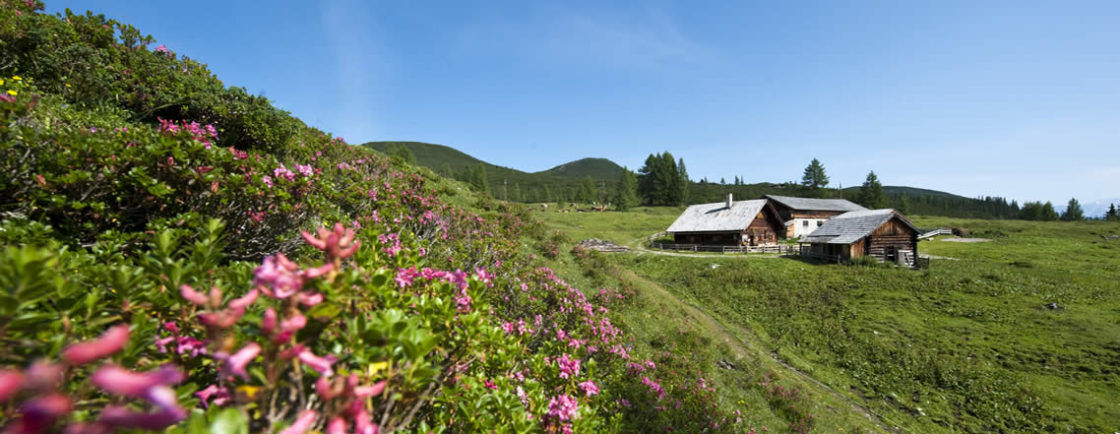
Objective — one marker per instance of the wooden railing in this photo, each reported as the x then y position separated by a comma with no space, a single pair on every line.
935,232
777,248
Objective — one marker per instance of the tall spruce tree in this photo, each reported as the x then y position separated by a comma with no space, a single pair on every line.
814,177
1112,214
660,181
683,183
1073,211
627,194
871,192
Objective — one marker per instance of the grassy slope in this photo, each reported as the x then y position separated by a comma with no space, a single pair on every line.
968,345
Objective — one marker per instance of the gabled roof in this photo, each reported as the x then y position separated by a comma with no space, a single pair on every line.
853,226
717,217
809,204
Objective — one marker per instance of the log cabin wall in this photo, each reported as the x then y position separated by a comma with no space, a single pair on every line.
764,229
889,240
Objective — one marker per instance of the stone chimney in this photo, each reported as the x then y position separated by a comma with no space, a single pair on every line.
729,200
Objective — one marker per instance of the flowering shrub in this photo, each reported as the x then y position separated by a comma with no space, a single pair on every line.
178,255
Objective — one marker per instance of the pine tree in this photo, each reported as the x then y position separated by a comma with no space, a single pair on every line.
814,176
661,182
871,193
1073,211
683,181
1112,214
586,192
627,194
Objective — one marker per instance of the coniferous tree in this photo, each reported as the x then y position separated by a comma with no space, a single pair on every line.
660,181
627,194
683,181
1112,214
586,192
871,192
814,177
1073,211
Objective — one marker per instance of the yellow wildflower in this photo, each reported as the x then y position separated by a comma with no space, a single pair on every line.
374,368
249,391
16,78
12,92
67,84
1,81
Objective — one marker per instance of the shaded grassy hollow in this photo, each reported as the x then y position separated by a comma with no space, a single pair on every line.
972,344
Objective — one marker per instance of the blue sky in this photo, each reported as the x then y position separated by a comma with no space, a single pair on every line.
1015,99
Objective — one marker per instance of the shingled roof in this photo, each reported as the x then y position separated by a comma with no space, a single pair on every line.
808,204
717,217
852,226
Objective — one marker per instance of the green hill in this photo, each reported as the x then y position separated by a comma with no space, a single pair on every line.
585,180
599,169
591,179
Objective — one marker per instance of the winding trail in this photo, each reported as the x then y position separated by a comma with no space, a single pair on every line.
738,338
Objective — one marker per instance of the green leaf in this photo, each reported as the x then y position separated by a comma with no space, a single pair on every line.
324,311
229,421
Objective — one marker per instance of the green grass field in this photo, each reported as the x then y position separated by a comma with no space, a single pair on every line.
1020,333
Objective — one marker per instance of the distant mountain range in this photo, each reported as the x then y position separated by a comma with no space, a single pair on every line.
587,178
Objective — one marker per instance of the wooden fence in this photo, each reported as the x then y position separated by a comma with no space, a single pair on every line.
778,248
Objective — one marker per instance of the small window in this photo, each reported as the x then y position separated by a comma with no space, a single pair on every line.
805,223
820,222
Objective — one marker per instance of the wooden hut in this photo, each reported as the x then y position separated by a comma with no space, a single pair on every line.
801,215
729,223
883,234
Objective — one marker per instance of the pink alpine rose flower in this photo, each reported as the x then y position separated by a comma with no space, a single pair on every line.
235,364
322,365
109,343
302,424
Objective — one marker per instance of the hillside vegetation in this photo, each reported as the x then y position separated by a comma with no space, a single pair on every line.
593,179
1017,334
579,181
182,256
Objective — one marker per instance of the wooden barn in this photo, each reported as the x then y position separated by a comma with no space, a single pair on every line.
883,234
729,223
801,216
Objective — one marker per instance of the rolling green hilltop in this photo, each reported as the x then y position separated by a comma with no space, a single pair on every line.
592,179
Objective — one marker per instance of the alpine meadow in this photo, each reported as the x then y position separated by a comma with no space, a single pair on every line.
181,255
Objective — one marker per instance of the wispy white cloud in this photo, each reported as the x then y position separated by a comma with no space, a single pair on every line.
565,37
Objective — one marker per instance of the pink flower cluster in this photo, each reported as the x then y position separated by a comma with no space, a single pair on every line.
349,398
202,133
46,404
569,366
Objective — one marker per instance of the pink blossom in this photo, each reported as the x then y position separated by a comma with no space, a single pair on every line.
39,414
119,381
337,425
568,366
220,396
196,298
118,416
563,407
302,424
363,392
278,277
109,343
10,382
589,387
161,48
245,300
7,98
222,319
322,365
235,364
309,299
267,180
338,243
